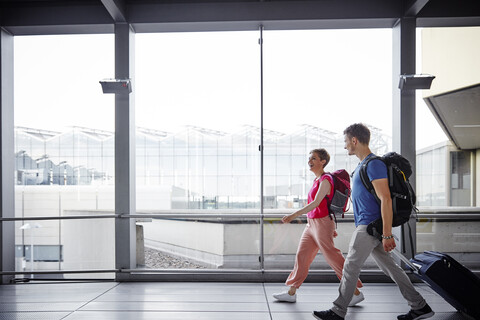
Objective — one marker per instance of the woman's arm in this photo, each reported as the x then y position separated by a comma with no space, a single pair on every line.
323,190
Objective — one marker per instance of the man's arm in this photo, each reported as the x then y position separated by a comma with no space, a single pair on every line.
383,193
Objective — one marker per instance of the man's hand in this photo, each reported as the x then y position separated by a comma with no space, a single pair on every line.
388,244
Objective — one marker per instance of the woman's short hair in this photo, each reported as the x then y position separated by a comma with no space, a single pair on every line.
359,131
322,154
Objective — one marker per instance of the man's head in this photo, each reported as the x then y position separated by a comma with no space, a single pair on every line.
356,135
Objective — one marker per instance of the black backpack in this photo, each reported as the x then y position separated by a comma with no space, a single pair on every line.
401,191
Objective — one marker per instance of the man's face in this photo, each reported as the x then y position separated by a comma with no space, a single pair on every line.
349,145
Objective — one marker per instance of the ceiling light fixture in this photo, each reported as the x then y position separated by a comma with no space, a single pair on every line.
415,81
116,85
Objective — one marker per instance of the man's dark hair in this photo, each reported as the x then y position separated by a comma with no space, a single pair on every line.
359,131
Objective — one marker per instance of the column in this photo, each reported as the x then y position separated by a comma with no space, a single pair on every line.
404,115
125,235
7,192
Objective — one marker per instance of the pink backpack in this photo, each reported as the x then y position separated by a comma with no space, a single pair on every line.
337,204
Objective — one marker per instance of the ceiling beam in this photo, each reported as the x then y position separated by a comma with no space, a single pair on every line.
415,8
180,12
56,19
116,8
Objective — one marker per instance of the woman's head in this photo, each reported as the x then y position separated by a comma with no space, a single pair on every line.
320,155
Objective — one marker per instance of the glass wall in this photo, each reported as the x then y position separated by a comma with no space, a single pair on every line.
64,154
447,177
198,135
198,138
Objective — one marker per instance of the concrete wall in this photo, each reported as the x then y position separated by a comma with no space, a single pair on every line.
458,64
452,56
237,245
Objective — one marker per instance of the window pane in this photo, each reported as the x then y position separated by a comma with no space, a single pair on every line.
202,91
64,152
317,82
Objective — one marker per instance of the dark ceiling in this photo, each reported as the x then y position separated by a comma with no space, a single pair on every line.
25,17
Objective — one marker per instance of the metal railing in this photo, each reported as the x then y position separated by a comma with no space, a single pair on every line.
437,214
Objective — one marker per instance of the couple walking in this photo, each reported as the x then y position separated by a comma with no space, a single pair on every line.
320,232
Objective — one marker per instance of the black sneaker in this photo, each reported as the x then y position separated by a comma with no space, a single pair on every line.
424,313
326,315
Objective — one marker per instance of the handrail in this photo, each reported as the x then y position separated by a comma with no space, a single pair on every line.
348,216
101,216
6,273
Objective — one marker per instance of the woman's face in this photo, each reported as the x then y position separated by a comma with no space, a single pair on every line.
315,163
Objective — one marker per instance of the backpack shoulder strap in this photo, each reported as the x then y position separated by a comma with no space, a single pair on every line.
329,198
332,189
330,178
364,177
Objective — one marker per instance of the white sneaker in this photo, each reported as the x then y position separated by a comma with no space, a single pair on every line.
284,296
356,299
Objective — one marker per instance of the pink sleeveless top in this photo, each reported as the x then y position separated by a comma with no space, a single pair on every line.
322,210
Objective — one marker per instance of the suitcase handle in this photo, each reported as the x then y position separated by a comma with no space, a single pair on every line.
413,266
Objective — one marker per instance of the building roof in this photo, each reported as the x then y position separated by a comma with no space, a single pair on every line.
458,113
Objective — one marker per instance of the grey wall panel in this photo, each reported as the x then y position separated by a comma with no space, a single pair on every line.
7,231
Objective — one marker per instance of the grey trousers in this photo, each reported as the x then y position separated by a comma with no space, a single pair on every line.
361,246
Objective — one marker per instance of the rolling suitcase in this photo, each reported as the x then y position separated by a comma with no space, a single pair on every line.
447,277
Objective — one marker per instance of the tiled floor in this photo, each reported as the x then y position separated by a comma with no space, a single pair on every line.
207,301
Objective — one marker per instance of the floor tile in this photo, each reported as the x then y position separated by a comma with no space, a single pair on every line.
204,301
136,315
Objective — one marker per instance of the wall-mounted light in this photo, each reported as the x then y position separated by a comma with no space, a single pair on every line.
116,85
415,81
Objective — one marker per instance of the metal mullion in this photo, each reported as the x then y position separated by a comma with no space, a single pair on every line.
262,242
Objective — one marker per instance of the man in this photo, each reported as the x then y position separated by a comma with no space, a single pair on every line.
366,209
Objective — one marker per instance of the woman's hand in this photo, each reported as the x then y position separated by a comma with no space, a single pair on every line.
288,218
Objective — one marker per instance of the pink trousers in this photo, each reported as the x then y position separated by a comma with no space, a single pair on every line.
317,236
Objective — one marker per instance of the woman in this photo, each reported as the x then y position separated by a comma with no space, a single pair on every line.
318,234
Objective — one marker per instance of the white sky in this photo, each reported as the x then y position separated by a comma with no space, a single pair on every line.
326,78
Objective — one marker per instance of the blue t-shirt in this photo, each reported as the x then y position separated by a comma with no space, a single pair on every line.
365,207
